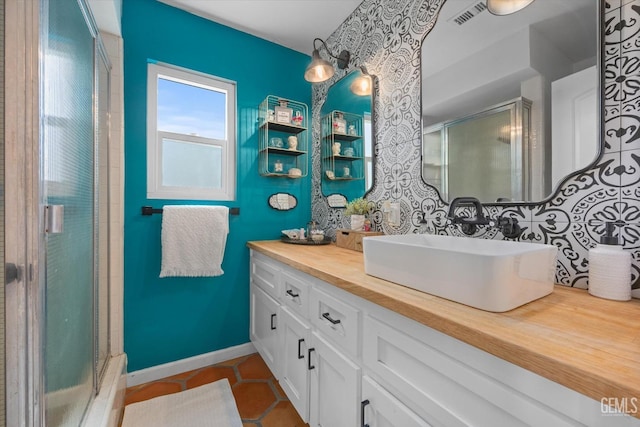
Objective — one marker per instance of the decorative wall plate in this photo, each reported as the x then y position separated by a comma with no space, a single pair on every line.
283,201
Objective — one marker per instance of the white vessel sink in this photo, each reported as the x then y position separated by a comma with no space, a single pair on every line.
492,275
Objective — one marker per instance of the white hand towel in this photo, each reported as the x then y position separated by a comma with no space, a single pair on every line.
193,240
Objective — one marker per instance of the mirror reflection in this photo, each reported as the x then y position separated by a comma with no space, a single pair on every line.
346,144
510,104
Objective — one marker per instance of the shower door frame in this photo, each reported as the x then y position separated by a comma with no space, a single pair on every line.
24,207
23,220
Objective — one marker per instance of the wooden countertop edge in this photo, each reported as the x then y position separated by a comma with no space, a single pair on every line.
555,366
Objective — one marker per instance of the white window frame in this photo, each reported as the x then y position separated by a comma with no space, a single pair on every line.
155,189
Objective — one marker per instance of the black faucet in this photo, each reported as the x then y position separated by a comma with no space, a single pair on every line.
468,225
508,226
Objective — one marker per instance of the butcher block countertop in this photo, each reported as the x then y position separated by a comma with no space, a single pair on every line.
587,344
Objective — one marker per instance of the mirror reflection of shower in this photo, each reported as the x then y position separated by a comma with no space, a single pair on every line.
528,54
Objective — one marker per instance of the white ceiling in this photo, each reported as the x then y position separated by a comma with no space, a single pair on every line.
567,23
290,23
107,14
570,26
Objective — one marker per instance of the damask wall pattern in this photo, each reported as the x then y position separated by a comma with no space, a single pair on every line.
385,37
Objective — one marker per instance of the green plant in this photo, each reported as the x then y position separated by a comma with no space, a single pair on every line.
358,206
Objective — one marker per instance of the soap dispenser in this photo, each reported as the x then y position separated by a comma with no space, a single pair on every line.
610,268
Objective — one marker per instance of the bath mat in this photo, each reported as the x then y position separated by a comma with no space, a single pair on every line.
210,405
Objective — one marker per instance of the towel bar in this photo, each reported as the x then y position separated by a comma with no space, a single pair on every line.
148,210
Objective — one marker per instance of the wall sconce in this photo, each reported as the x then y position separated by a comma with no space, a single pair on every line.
362,85
320,70
506,7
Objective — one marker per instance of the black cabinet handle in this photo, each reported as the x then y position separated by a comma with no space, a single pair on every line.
273,328
291,294
309,365
362,406
328,317
300,341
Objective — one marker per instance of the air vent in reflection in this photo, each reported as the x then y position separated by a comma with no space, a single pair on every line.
468,13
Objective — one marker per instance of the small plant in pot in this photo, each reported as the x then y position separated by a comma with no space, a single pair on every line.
357,209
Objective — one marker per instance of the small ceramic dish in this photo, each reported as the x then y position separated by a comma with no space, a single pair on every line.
295,173
330,174
317,235
276,142
292,234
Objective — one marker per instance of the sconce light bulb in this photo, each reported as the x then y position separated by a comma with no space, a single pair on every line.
361,85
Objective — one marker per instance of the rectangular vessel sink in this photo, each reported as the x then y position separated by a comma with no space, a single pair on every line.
492,275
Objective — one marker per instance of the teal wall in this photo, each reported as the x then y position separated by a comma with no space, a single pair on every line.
174,318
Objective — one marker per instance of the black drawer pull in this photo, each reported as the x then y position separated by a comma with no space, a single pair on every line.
309,365
362,406
273,316
291,294
300,341
328,317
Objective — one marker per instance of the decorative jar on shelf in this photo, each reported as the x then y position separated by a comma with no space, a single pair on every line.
283,113
297,118
336,148
339,123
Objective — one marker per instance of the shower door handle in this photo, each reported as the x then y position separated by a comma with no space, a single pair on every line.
11,273
54,219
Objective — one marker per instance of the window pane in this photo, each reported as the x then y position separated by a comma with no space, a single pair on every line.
189,164
191,110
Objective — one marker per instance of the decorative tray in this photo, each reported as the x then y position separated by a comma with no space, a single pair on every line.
324,241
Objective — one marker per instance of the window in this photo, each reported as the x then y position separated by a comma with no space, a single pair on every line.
191,122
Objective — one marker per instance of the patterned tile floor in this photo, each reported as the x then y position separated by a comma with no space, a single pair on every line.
261,402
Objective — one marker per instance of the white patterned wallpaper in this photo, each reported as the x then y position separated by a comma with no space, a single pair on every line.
385,36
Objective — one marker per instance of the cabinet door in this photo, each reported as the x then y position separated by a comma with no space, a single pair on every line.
334,387
381,409
264,327
294,375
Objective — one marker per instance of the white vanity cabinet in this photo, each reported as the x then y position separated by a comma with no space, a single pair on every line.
306,349
264,327
345,361
294,358
381,409
334,386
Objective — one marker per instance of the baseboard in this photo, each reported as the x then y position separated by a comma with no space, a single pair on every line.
196,362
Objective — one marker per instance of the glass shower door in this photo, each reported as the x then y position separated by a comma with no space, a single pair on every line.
67,173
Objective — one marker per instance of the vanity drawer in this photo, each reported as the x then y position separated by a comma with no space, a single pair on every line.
266,275
446,390
295,292
336,319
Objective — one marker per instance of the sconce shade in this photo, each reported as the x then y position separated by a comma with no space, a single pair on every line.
361,85
319,69
506,7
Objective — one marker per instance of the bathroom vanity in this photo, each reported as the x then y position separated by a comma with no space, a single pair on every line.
350,349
